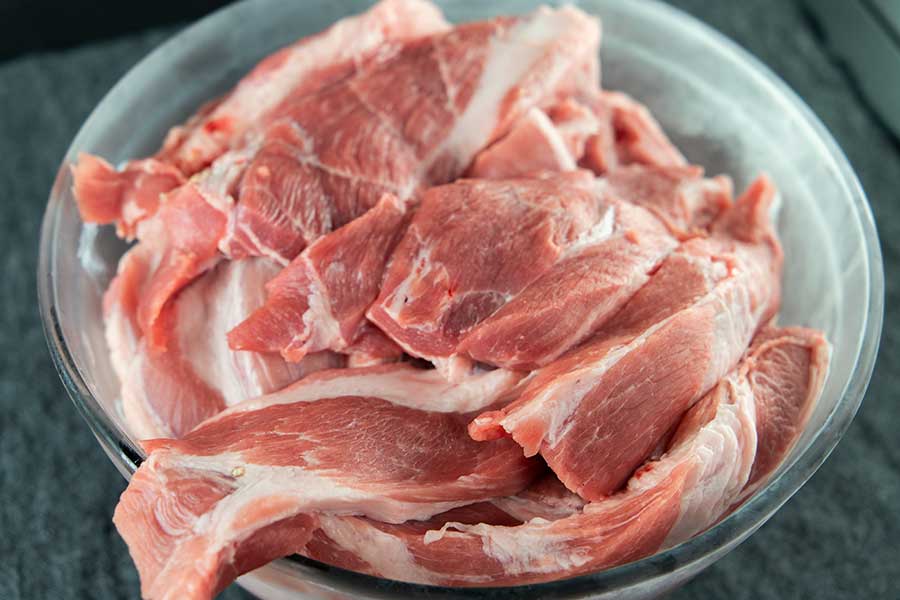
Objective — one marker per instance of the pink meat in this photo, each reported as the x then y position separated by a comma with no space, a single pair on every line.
533,145
577,296
709,462
192,506
318,302
627,134
130,195
472,246
575,123
168,393
371,347
125,197
679,196
311,62
610,401
430,108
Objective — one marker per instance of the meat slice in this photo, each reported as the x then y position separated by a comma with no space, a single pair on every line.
124,197
168,393
472,246
430,108
318,302
371,347
577,296
709,462
598,412
627,134
401,384
575,123
127,196
533,145
311,62
197,503
679,196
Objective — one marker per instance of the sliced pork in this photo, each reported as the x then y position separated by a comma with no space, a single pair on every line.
166,394
472,246
429,108
318,302
598,412
709,462
224,490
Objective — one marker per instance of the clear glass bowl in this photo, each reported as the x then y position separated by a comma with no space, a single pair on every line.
720,105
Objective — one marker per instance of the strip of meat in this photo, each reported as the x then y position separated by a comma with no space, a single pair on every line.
627,134
318,302
533,145
312,61
598,412
710,460
399,383
472,246
371,347
430,108
124,197
195,503
577,296
168,393
130,195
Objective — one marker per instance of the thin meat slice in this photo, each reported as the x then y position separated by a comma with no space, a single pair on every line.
401,384
168,393
627,134
195,503
680,196
707,465
598,412
575,123
105,195
318,302
577,296
472,246
403,123
533,145
310,62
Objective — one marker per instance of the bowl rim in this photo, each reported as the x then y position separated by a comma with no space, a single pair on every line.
722,537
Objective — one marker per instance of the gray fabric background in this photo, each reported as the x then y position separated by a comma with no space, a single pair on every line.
839,537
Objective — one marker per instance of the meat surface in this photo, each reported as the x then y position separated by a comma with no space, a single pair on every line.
706,467
371,347
318,302
165,394
223,491
472,246
430,107
127,196
532,145
611,400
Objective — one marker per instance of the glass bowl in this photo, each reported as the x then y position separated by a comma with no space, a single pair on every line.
721,106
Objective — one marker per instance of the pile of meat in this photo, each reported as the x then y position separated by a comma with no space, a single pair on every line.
425,302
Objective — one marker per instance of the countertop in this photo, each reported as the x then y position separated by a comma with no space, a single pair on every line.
839,537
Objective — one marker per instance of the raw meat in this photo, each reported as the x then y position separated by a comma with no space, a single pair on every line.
128,196
165,394
429,108
627,133
610,401
371,347
533,145
471,247
124,197
225,489
311,62
318,302
709,462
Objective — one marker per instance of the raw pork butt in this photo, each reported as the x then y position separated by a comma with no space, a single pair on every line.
723,443
598,412
470,248
200,509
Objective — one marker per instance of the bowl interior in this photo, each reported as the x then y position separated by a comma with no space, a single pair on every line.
722,109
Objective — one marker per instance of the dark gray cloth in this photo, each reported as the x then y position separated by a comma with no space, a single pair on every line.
839,537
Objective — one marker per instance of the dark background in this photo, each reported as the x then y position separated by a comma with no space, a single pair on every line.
839,537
